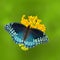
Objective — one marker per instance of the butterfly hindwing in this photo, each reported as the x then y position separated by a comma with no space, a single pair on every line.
17,31
39,35
35,37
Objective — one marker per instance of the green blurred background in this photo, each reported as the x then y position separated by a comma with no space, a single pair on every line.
48,11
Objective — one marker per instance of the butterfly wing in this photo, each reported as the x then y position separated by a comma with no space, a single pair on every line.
35,37
17,31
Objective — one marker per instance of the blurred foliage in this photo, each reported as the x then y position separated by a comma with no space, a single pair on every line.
48,11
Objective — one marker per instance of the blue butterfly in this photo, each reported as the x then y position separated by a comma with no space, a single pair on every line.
30,37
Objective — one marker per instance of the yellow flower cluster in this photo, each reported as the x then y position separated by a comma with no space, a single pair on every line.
23,47
34,22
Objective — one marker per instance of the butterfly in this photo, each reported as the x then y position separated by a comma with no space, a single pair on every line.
21,34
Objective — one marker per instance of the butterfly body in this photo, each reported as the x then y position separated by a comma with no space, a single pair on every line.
21,34
27,32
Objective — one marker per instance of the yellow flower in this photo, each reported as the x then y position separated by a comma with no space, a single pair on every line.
23,47
41,27
34,22
38,21
24,21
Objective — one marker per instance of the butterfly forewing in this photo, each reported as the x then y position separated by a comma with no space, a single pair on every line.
17,31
